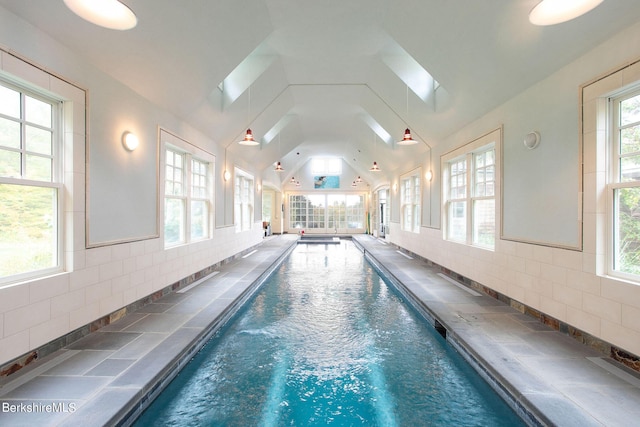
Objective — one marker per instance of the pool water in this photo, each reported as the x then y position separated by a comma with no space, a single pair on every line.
326,341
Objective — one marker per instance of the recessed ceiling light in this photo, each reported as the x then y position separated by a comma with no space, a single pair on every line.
110,14
550,12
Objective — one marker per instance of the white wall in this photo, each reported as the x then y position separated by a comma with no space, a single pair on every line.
542,204
121,196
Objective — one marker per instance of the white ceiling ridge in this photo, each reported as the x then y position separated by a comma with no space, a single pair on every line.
260,113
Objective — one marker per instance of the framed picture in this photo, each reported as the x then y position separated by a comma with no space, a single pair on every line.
325,181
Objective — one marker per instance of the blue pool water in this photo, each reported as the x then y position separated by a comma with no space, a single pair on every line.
326,341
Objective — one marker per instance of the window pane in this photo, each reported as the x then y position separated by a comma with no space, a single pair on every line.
627,230
37,112
457,224
484,223
199,219
630,168
174,220
630,140
9,102
9,164
28,229
630,110
9,133
38,140
38,168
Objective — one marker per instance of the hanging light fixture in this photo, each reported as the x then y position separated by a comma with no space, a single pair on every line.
248,139
248,136
358,179
375,167
279,167
292,180
407,140
353,184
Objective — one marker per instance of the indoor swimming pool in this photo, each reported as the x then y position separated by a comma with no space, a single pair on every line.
327,341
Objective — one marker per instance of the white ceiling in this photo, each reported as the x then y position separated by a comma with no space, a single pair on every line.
329,77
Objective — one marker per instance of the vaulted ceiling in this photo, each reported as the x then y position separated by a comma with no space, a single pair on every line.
329,77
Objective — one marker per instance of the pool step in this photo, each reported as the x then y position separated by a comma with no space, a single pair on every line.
319,239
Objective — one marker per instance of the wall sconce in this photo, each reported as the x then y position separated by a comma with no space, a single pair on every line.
226,175
428,175
259,188
395,187
532,140
130,141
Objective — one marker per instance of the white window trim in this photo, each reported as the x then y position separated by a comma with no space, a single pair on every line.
71,145
169,141
56,182
491,140
414,204
244,224
613,182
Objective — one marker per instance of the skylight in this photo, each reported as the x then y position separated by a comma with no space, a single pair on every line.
326,166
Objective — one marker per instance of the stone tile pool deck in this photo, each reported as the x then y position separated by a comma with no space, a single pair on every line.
106,376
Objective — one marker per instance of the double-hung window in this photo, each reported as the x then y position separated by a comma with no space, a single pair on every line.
187,197
243,200
410,196
470,182
624,186
30,183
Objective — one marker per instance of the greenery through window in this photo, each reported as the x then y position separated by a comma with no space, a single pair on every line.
243,200
30,183
410,202
470,179
625,185
187,198
327,213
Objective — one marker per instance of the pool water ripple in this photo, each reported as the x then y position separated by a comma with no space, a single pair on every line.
326,341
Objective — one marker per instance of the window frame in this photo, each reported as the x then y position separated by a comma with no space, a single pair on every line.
461,193
243,200
411,201
56,180
615,182
189,153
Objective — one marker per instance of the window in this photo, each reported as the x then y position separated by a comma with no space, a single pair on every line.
187,196
199,199
243,200
410,199
624,185
470,180
326,166
30,183
327,212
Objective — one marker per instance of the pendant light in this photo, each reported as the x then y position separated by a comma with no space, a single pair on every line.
248,136
407,140
375,167
279,167
248,139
